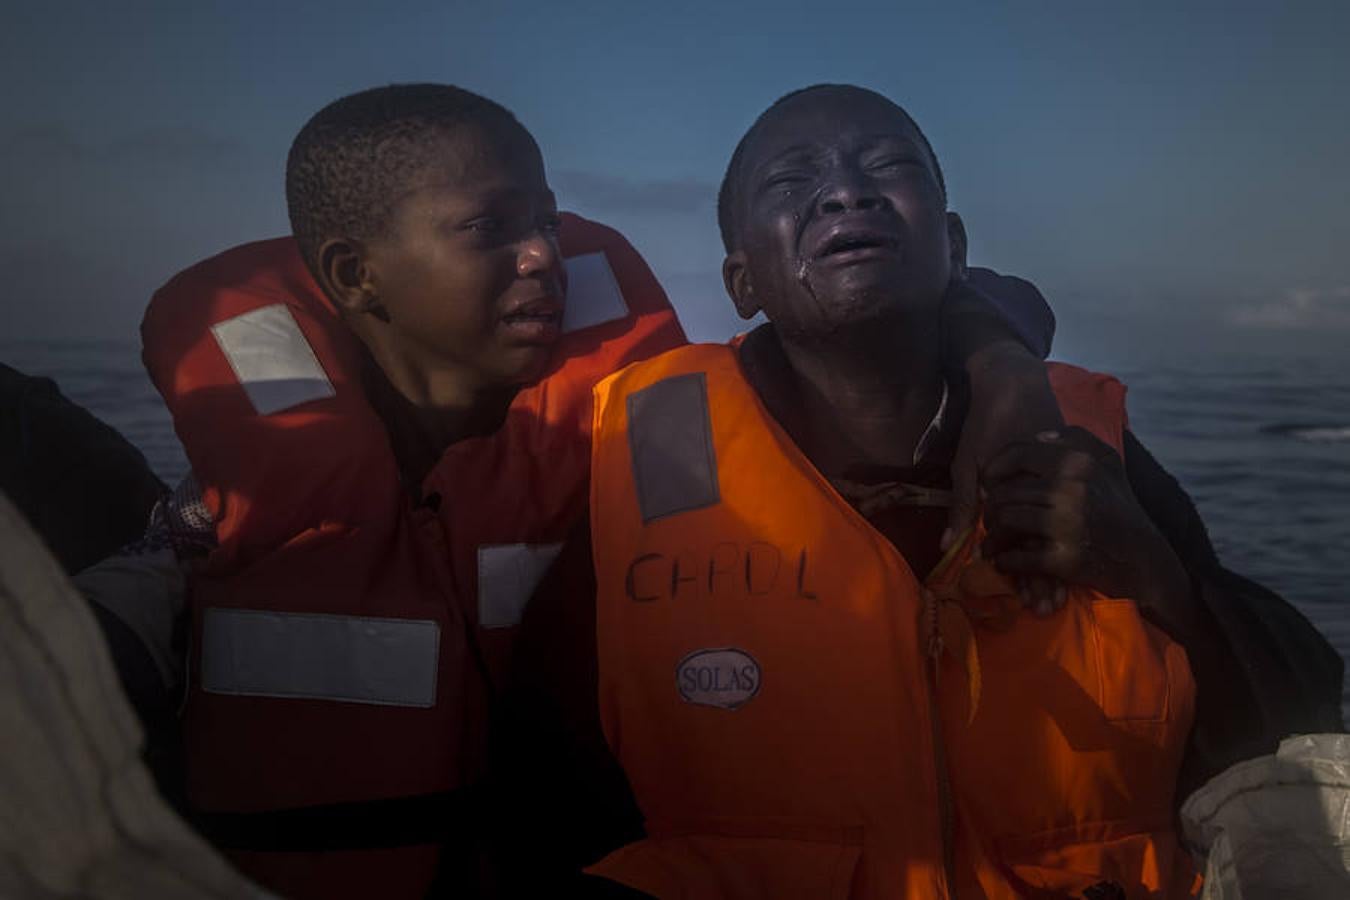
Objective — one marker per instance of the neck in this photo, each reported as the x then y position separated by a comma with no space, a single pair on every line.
866,399
427,406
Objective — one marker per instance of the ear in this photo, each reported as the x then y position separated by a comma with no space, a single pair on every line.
956,241
346,277
736,277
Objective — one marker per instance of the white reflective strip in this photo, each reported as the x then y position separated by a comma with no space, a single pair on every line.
671,446
507,577
272,359
353,659
593,294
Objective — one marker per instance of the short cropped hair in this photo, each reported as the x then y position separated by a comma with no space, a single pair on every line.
728,196
357,155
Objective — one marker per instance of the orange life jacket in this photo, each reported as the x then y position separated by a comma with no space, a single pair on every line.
799,716
346,642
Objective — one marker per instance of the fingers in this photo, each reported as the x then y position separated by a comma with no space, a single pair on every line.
1041,548
1042,594
1012,525
1039,495
1045,461
1068,454
1038,558
1030,492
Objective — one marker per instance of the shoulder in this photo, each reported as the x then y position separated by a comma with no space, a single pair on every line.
1091,400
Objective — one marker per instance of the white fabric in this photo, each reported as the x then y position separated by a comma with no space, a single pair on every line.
272,359
507,577
593,295
352,659
930,434
79,813
1276,826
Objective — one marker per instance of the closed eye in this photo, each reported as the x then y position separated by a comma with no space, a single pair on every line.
484,225
785,180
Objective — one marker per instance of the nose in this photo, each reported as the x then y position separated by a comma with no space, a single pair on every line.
537,255
848,188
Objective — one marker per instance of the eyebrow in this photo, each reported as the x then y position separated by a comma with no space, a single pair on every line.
893,136
478,202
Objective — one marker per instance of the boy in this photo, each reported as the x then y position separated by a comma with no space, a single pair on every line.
810,692
387,446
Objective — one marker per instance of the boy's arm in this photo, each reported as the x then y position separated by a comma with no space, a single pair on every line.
997,330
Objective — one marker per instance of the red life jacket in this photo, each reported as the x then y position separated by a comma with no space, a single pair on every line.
346,642
800,717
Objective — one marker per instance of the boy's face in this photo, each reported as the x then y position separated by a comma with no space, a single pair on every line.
470,276
841,217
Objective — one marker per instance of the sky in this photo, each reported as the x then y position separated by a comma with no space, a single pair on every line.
1167,173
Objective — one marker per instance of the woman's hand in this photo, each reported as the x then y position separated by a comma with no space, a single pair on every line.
1061,506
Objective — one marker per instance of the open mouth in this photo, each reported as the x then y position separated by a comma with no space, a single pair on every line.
857,244
525,317
539,322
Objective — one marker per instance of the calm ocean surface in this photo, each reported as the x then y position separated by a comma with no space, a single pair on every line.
1261,442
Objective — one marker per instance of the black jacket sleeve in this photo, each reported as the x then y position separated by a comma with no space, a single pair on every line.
82,486
1018,304
1262,671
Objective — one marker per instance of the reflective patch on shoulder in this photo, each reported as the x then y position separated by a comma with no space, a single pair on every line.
272,359
593,295
670,440
350,659
507,577
723,677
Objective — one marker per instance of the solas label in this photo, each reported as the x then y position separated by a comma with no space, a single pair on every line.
723,677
